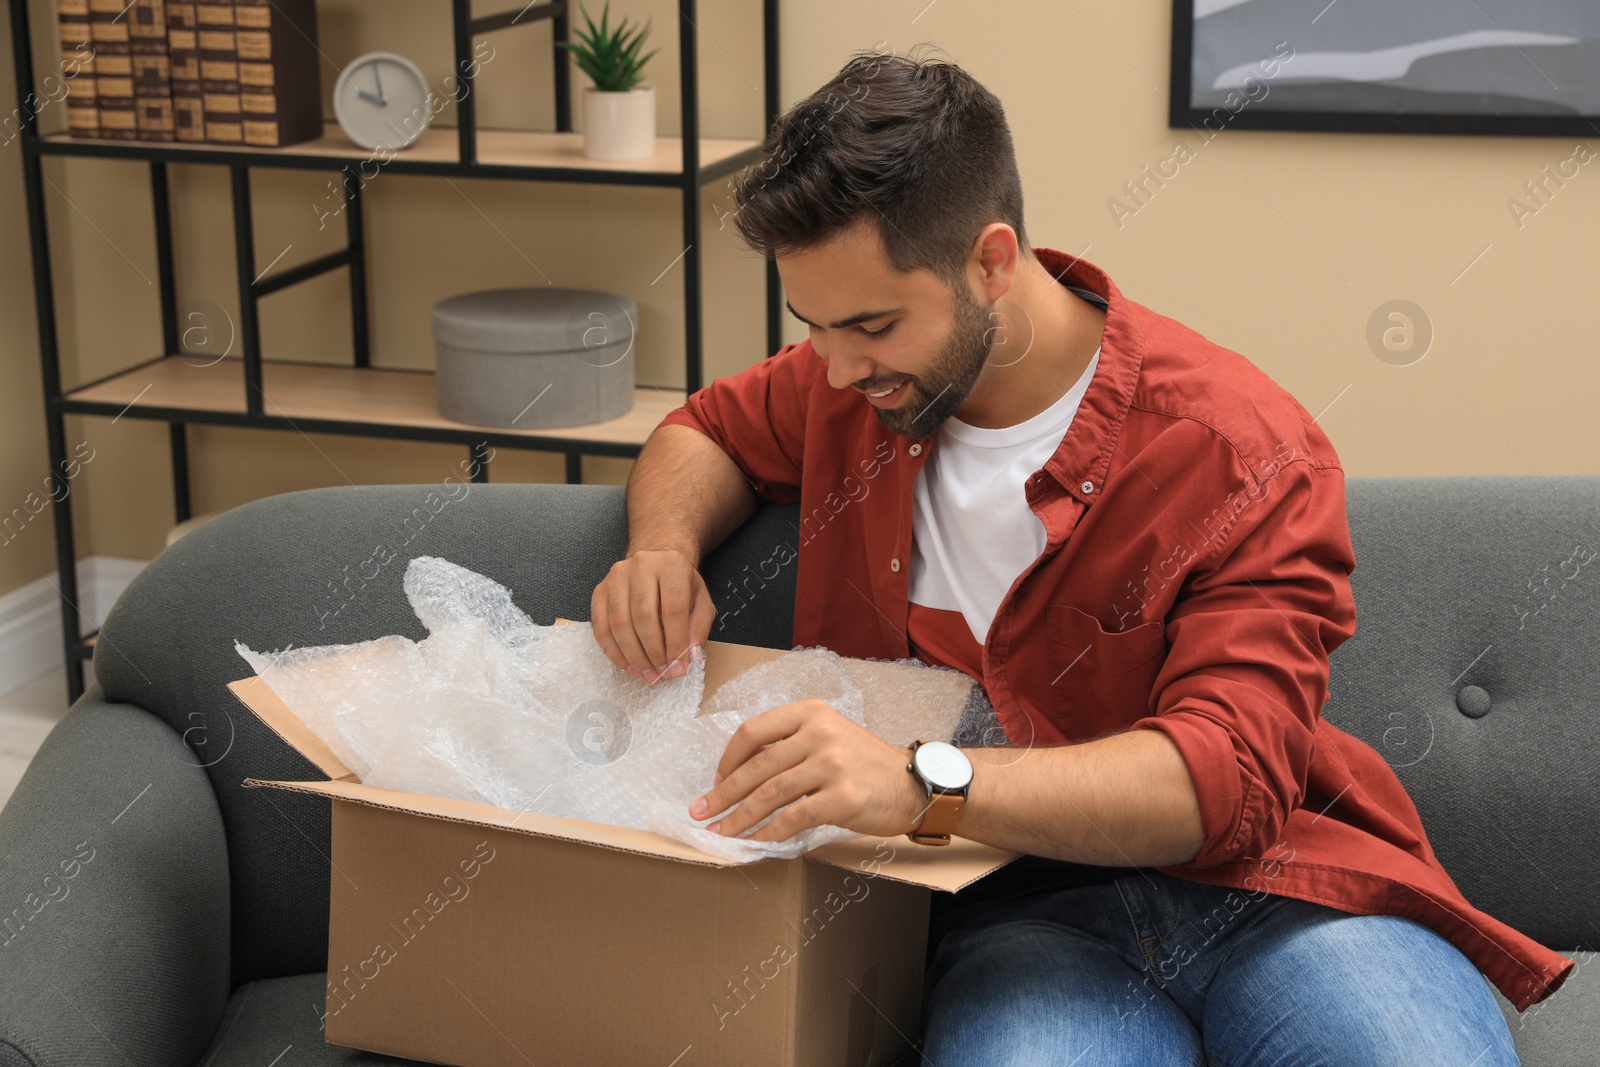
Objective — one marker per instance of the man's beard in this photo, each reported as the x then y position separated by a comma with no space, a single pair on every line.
938,394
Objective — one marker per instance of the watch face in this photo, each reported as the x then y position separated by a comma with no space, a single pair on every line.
382,101
943,765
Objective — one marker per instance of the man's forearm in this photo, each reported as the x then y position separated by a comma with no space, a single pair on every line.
685,493
1122,800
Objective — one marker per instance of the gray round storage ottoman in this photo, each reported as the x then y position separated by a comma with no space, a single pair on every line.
534,358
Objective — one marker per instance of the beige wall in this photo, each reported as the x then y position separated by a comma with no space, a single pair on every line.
1280,245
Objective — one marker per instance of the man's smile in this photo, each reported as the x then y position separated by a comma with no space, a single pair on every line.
886,397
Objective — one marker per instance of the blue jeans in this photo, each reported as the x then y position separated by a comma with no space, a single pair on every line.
1150,970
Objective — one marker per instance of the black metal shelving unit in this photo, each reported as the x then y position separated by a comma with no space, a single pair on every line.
573,442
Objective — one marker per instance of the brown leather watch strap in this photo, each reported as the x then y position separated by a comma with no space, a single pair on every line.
939,819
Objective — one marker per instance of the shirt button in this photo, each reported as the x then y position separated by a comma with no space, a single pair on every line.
894,565
1087,486
915,450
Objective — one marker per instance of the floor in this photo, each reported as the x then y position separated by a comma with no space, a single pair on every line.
27,713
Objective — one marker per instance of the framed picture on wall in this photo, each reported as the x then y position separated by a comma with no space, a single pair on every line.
1527,67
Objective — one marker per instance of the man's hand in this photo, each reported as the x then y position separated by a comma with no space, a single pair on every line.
818,766
650,609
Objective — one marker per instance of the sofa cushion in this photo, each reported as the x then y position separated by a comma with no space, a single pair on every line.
1473,671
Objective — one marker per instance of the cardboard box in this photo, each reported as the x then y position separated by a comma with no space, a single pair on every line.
461,933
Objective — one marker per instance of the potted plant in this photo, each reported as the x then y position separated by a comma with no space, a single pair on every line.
619,114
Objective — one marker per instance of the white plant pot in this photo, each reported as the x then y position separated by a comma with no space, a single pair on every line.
619,126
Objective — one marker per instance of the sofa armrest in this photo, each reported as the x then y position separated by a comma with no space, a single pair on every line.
114,909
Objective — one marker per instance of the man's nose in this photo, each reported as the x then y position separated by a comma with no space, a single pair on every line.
845,368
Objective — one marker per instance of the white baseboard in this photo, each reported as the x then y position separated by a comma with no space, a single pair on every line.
30,617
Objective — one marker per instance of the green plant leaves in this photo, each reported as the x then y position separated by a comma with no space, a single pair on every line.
610,57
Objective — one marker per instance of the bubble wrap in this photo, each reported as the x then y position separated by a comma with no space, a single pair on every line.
492,708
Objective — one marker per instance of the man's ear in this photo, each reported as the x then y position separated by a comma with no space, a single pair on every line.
995,260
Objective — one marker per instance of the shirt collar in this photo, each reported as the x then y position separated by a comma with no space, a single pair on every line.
1083,458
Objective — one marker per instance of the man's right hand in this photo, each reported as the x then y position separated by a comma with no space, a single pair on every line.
648,612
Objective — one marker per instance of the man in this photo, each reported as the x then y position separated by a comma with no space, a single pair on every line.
1137,543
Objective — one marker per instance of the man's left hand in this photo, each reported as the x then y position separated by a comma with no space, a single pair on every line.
820,768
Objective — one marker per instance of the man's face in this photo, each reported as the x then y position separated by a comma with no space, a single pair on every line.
881,330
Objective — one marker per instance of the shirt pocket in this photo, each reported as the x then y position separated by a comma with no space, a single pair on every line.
1102,679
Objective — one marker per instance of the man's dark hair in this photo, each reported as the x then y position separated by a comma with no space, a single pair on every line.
914,145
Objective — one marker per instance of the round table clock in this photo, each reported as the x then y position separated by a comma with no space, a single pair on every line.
381,101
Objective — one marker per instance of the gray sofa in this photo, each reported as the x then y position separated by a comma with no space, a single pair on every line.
157,913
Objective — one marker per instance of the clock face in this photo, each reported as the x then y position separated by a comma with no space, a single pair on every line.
381,101
943,765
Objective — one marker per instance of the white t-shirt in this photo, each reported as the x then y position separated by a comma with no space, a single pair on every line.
972,530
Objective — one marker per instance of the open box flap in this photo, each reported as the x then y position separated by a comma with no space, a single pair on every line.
344,785
256,695
621,838
724,661
942,698
947,867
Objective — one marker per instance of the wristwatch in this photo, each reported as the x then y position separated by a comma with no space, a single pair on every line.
945,773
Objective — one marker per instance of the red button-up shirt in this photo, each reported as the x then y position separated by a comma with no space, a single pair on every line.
1194,580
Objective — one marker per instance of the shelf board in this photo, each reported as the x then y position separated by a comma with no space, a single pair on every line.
323,398
511,152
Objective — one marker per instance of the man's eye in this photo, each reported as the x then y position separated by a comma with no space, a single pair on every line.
877,333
